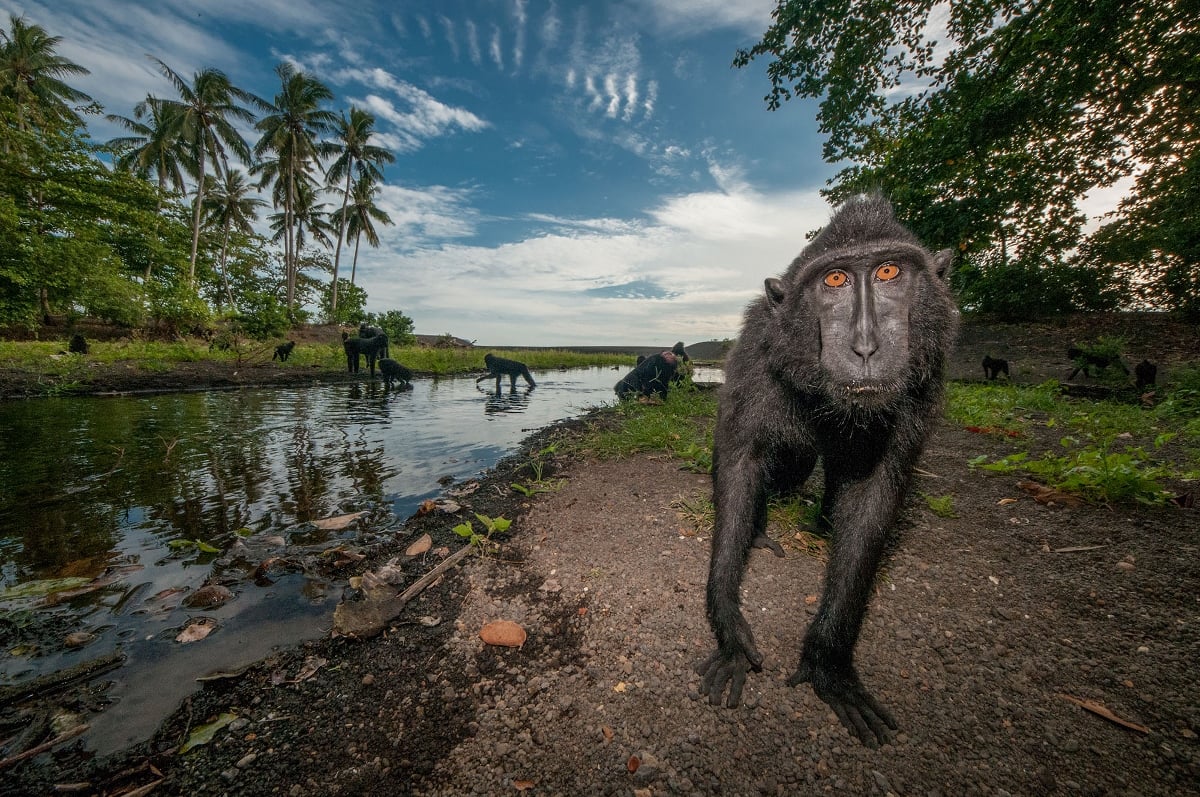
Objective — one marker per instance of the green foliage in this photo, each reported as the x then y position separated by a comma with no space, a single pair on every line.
1007,121
482,541
396,325
940,505
351,300
681,425
263,316
1101,462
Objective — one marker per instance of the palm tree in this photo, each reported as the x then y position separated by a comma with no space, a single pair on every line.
309,217
230,205
201,123
358,219
148,150
30,74
356,156
290,130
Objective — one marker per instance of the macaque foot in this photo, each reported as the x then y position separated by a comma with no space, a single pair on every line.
763,541
862,715
727,669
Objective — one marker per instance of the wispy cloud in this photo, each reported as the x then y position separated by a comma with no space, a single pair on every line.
473,43
451,38
422,117
681,18
519,20
494,48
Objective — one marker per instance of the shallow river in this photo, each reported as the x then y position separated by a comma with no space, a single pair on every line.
124,499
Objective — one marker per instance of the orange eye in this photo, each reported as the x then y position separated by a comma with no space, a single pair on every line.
836,279
888,271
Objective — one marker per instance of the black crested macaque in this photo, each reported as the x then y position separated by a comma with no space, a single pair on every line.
681,373
392,371
1145,373
652,375
77,344
680,352
283,351
1086,360
372,348
841,360
994,366
366,331
499,367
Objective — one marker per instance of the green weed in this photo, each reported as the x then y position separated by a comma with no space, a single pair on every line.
482,541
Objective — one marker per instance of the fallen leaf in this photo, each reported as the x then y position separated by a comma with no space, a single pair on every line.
809,600
583,610
633,763
429,622
311,665
1101,710
505,633
427,506
197,630
523,785
1048,495
620,687
419,546
205,733
608,733
339,522
1006,501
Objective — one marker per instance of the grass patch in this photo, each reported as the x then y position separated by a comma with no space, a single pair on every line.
1108,452
682,426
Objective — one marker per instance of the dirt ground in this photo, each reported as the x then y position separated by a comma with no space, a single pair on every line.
1024,648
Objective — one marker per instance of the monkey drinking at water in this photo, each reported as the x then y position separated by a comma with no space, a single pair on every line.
840,360
499,367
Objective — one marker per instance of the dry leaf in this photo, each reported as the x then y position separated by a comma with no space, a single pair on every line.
620,687
1006,501
608,733
196,630
339,522
1048,495
505,633
633,763
311,665
809,600
420,546
523,785
1101,710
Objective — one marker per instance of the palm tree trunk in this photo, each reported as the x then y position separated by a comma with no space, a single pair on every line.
337,253
196,221
224,273
354,266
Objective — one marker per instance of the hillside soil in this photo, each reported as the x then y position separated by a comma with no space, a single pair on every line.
1025,646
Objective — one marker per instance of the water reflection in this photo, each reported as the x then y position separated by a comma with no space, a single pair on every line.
98,491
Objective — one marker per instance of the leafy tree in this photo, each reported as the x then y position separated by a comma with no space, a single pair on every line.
355,155
31,75
290,131
988,138
75,233
360,217
201,122
397,325
350,310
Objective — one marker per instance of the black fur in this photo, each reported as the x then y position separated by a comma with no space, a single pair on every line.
994,366
652,375
1086,360
499,367
77,344
365,331
813,377
1145,372
392,371
283,351
372,348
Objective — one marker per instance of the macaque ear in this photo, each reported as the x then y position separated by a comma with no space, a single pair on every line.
941,263
775,291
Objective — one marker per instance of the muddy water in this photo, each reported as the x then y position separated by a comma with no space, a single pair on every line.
110,511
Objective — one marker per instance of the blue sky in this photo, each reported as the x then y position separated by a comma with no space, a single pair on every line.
566,172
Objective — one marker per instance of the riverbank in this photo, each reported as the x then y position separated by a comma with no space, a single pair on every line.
1025,648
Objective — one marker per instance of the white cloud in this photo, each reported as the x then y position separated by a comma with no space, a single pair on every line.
494,48
519,19
473,43
451,38
709,252
682,18
425,117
